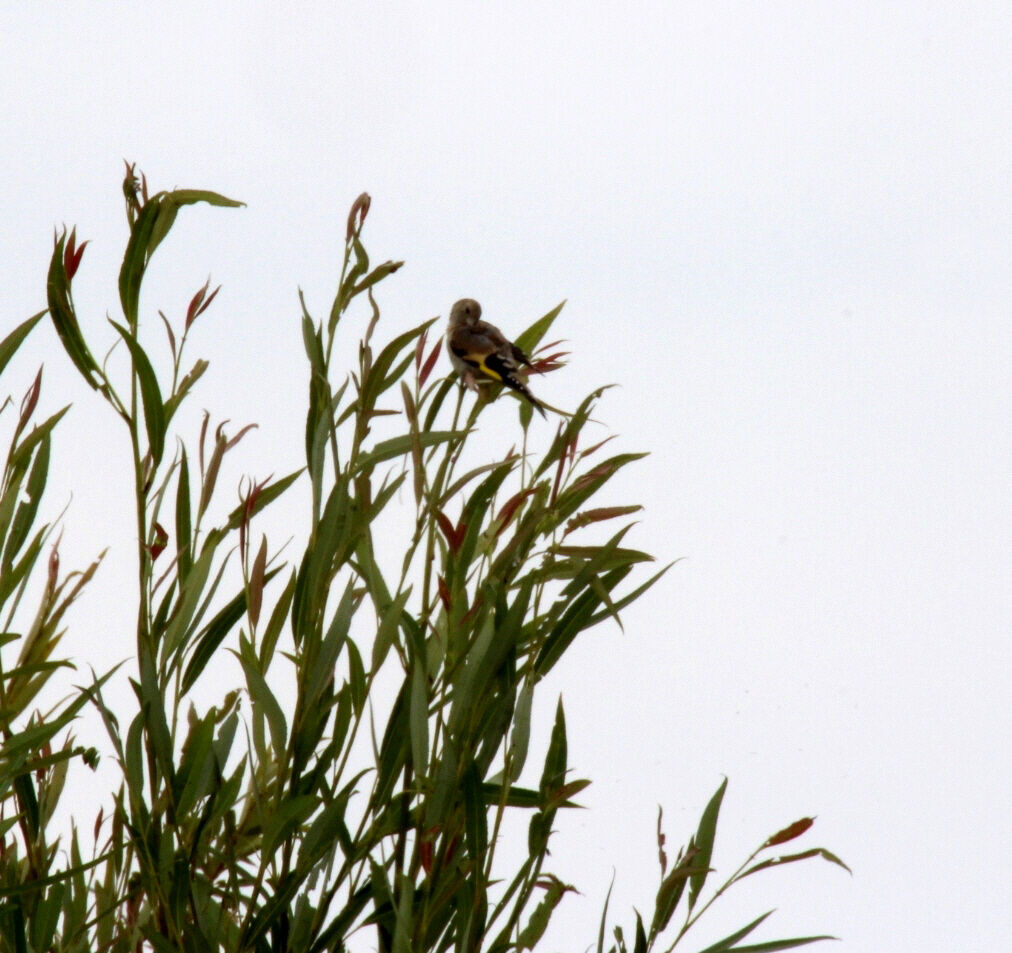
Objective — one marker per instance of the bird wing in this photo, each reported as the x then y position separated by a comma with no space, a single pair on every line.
476,346
486,349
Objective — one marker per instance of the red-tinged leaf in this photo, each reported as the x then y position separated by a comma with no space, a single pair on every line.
98,824
510,507
61,310
671,889
171,336
420,348
791,858
789,833
555,890
548,362
662,854
567,454
159,540
560,795
425,855
454,537
54,563
72,255
599,515
203,437
29,402
200,303
430,363
242,433
539,357
451,848
359,210
256,582
251,498
248,502
444,524
444,592
597,446
131,187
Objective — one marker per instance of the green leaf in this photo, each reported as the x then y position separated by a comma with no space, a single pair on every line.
393,751
275,624
772,946
440,390
474,513
184,552
389,624
376,275
568,434
671,889
268,915
520,738
61,310
792,858
20,456
586,485
728,943
398,446
404,923
419,718
212,635
705,836
10,344
327,827
28,509
153,702
576,618
150,227
604,916
553,777
321,672
475,814
267,495
379,378
8,891
261,696
619,604
287,820
528,340
196,774
151,395
641,936
183,388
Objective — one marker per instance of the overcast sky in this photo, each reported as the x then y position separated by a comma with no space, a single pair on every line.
783,228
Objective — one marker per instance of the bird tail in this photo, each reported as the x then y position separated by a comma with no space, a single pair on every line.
515,382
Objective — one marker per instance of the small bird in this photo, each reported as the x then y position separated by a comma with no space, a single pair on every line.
476,345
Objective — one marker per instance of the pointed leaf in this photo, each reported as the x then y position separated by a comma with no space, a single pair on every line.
10,344
705,835
151,395
61,310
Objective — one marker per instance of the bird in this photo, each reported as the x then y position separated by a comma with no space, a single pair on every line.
475,346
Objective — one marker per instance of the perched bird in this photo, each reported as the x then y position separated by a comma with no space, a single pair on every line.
476,346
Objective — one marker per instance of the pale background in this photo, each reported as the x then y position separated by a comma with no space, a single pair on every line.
783,228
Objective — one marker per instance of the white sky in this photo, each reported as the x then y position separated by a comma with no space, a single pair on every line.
783,228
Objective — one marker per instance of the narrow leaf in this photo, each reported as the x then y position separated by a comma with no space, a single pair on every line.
151,395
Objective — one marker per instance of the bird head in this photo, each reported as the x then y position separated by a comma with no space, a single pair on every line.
465,312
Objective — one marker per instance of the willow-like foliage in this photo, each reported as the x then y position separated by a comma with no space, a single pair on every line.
355,785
